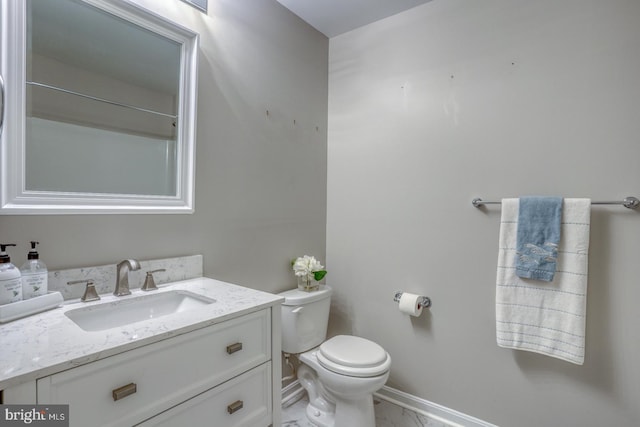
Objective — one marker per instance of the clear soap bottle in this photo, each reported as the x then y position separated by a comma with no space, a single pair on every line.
10,283
34,274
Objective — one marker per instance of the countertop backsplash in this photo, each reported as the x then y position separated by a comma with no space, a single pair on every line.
104,276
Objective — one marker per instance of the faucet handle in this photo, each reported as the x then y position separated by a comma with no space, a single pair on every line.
149,283
90,293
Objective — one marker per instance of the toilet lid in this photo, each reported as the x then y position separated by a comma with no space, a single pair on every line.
353,356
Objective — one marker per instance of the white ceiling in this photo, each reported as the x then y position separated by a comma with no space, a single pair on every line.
334,17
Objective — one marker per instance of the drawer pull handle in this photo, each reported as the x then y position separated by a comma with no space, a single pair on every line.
235,406
234,347
124,391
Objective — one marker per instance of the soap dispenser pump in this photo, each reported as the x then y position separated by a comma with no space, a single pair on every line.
10,283
34,274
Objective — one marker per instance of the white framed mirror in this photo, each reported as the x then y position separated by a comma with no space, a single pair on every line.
98,109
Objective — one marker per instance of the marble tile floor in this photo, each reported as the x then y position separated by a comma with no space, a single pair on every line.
387,415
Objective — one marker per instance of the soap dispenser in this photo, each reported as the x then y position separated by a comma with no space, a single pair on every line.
34,274
10,283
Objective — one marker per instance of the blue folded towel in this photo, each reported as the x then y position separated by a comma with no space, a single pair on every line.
538,237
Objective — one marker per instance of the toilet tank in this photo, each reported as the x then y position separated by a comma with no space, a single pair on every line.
305,316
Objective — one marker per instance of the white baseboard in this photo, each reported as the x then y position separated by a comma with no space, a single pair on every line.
294,392
429,409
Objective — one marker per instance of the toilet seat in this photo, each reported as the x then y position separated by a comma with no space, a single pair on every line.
353,356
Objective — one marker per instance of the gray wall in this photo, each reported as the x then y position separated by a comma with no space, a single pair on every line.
457,99
260,179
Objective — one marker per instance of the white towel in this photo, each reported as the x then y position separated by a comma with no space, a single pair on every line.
545,317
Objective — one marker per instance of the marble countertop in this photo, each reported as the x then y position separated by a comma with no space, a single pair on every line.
50,342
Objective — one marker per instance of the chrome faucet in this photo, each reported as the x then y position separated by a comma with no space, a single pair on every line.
122,277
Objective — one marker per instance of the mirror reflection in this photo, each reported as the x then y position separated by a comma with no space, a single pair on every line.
102,103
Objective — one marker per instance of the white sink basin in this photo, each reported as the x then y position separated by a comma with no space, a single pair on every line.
109,315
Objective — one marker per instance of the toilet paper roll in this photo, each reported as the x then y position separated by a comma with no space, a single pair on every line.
410,304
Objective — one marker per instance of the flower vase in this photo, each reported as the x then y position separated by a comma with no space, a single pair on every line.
307,284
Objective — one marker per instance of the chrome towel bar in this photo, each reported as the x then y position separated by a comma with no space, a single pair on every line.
628,202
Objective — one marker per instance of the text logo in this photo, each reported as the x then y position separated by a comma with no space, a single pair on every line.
34,415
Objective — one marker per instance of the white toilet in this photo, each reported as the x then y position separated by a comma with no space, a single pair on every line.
341,374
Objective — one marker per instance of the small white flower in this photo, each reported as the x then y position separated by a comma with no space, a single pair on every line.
306,266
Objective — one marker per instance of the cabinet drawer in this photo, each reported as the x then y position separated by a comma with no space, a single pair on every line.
164,373
244,401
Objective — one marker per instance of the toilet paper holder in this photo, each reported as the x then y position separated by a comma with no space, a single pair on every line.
425,302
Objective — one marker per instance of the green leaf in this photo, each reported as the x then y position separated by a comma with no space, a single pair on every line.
319,275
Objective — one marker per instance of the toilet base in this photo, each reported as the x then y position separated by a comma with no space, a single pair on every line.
320,418
348,413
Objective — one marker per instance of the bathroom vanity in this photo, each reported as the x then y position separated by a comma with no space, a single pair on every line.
213,355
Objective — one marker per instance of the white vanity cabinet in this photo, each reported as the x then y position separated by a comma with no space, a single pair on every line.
217,375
